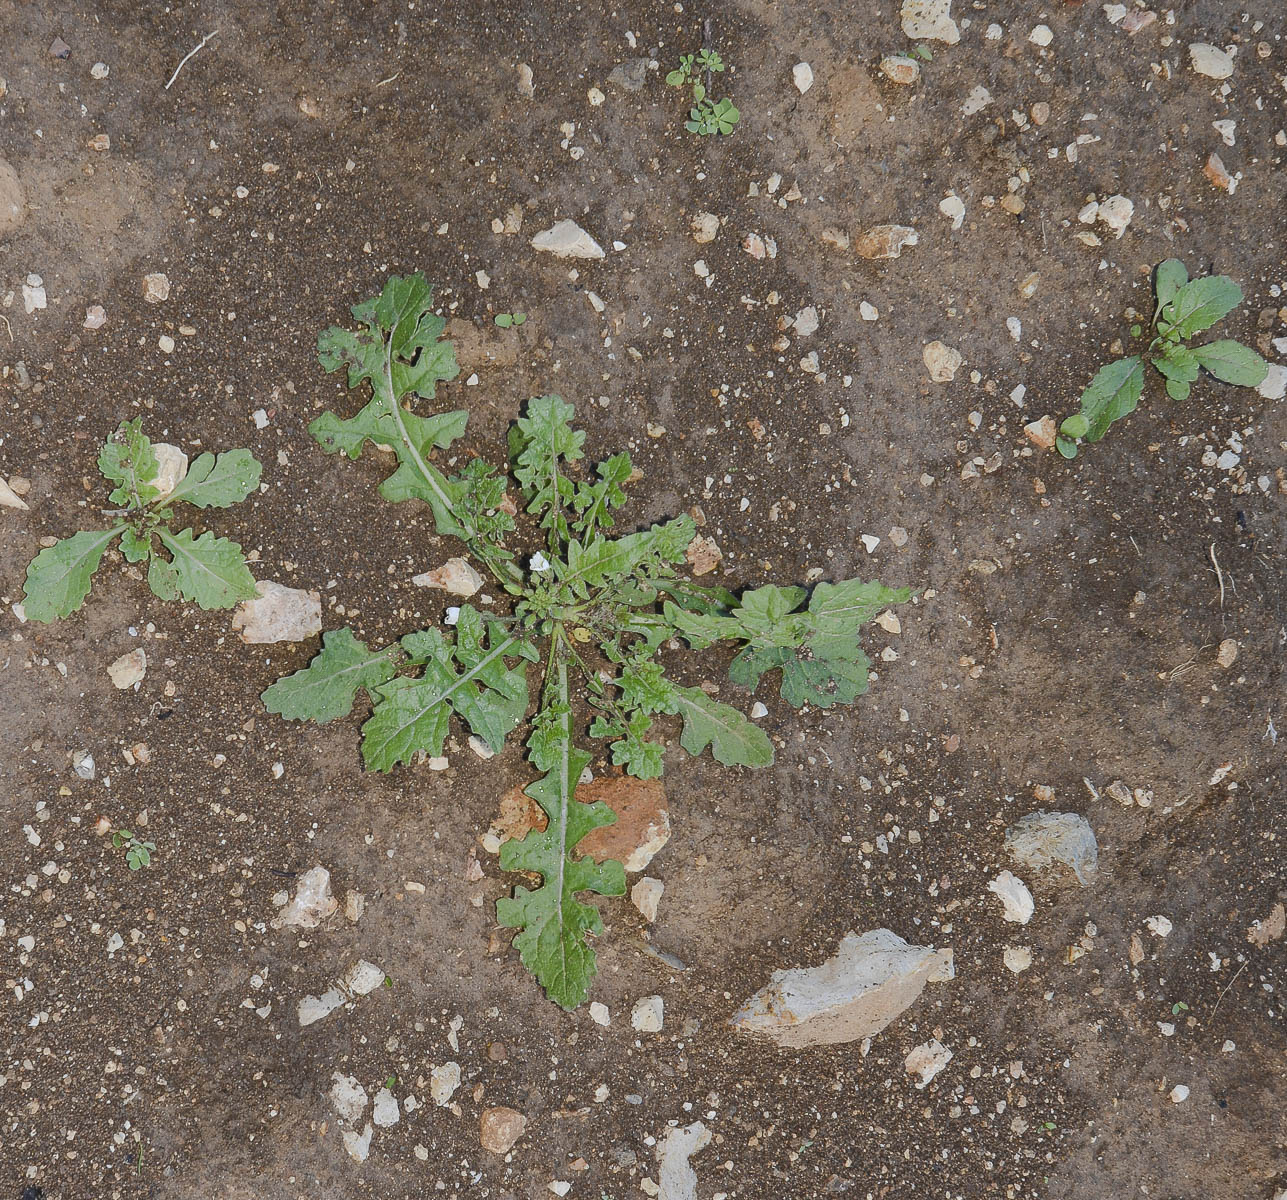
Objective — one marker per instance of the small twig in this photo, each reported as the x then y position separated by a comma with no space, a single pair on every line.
1219,573
183,61
8,327
1227,986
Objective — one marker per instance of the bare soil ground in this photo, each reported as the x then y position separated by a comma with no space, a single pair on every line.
1068,627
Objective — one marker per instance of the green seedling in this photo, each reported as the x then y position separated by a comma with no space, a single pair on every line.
207,570
1179,1007
593,609
1185,307
506,320
706,116
138,853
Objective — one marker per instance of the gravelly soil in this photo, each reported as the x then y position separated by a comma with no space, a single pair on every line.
1067,627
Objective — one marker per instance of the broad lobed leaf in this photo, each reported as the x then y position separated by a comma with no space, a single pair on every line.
208,570
469,678
328,686
218,481
60,576
1232,362
554,925
1199,304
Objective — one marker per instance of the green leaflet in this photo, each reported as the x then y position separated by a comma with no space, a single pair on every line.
59,577
1232,362
328,686
816,647
470,678
1112,394
128,460
135,546
539,442
1169,278
595,501
640,757
217,481
398,353
1179,365
1199,304
553,923
209,571
607,559
733,740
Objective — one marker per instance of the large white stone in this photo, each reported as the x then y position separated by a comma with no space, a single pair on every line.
864,986
567,239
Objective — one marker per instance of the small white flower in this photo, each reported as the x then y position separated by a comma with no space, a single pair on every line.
539,562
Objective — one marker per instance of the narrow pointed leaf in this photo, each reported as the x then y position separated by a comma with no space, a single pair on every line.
328,686
59,577
1169,278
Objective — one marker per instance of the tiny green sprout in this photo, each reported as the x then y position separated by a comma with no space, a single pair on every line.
1185,307
506,320
1178,1007
1048,1126
391,1082
388,981
208,570
924,52
138,853
706,116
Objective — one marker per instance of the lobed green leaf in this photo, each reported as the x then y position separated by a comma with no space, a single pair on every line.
218,481
60,576
328,686
208,570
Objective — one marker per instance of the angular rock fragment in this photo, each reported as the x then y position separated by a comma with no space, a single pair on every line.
456,576
500,1128
1014,896
278,614
884,241
129,669
567,239
941,361
171,467
312,904
866,984
930,20
927,1060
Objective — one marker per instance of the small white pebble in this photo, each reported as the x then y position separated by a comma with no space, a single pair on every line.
1179,1093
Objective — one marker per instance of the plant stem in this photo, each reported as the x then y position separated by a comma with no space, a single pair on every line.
510,574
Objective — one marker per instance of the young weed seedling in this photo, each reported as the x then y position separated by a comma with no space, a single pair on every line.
706,117
138,853
1184,308
510,320
207,570
593,608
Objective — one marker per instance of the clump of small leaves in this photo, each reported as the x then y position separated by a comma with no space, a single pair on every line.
592,607
706,116
207,570
138,853
1185,307
510,320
